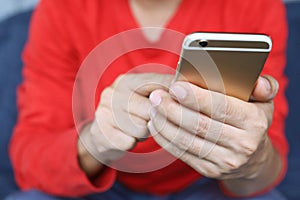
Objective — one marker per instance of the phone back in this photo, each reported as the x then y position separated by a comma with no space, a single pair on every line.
231,67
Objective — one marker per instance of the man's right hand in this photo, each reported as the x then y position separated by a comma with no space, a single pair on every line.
120,120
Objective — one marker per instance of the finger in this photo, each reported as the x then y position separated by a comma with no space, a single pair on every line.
139,106
237,140
203,166
144,84
127,111
197,123
106,137
128,101
265,89
132,125
187,141
215,105
225,158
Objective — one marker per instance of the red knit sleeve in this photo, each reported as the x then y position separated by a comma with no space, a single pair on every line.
270,19
275,24
44,144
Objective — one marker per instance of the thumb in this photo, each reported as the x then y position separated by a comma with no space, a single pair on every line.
150,82
265,89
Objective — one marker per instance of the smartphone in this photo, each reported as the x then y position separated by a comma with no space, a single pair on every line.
229,63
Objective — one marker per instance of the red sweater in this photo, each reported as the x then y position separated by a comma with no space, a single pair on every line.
43,147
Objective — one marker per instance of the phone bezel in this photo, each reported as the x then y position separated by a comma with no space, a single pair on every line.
230,37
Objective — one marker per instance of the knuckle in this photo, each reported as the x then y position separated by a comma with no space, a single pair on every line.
201,100
248,147
137,126
211,173
203,170
202,125
226,108
232,163
131,142
207,169
126,145
106,95
216,174
262,123
102,115
119,79
182,140
107,92
229,109
142,132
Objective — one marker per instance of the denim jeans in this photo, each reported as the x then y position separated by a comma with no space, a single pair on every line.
204,189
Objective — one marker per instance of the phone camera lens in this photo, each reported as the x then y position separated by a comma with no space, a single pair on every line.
203,43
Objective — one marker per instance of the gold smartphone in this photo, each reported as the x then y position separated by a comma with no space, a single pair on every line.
229,63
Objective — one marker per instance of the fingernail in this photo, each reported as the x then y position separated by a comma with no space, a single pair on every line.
155,99
178,91
267,84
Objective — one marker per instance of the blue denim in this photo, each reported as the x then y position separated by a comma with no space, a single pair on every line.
204,189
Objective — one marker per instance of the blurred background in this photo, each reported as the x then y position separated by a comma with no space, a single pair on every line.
14,21
9,8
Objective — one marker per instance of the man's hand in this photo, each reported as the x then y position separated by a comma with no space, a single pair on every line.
120,120
219,136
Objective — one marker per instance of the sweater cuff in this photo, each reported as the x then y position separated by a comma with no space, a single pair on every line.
83,186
